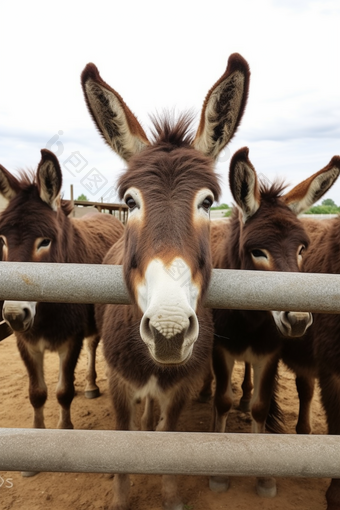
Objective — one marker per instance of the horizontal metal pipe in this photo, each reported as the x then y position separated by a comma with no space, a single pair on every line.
102,451
247,290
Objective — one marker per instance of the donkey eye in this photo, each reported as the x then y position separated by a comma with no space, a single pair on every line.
44,243
207,203
258,253
130,202
302,249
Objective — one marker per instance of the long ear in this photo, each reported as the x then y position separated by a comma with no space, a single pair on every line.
223,107
114,120
49,179
9,185
244,184
305,194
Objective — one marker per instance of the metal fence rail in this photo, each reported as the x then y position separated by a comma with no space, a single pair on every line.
169,453
258,290
186,453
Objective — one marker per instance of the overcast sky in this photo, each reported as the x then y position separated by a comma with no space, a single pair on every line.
167,55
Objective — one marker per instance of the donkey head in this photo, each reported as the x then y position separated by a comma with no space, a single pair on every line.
169,187
271,236
30,229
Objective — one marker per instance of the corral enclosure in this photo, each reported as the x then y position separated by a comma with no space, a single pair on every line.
61,491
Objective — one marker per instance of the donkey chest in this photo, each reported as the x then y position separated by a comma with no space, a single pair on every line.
246,334
248,356
151,388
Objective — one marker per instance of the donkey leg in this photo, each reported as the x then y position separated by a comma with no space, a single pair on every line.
247,388
68,357
124,409
264,383
305,389
91,388
333,495
33,357
223,364
330,395
171,407
205,394
147,420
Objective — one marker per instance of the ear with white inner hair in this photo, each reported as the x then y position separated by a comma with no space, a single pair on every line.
305,194
114,120
223,108
244,184
49,179
9,185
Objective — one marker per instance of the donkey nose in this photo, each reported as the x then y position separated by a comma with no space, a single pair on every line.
170,340
297,323
17,317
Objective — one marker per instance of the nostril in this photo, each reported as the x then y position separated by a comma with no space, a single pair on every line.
145,328
27,314
286,318
193,328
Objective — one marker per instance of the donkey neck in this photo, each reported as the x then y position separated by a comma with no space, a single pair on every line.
323,255
232,259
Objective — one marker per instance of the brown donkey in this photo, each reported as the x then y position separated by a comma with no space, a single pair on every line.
35,227
318,353
158,347
299,356
263,234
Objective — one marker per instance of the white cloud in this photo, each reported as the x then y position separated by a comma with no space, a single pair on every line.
159,56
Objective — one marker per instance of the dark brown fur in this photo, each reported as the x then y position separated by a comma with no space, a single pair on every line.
85,240
263,233
318,353
169,173
273,227
169,223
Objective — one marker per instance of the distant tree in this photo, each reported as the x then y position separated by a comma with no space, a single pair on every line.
324,209
222,206
329,201
83,198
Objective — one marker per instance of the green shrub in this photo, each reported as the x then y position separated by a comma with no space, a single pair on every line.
222,206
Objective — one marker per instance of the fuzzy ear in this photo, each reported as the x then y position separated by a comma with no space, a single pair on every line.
114,120
9,185
305,194
244,184
223,108
49,179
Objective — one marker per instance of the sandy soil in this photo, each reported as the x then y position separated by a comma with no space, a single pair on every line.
63,491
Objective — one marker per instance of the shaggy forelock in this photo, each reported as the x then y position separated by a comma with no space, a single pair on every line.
271,191
170,160
176,133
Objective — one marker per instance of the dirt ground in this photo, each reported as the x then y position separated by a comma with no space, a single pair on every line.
64,491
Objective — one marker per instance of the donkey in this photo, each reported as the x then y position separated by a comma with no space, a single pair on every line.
264,233
157,348
299,356
36,227
321,358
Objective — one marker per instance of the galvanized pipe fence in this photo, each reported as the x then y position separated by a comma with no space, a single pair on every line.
182,452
